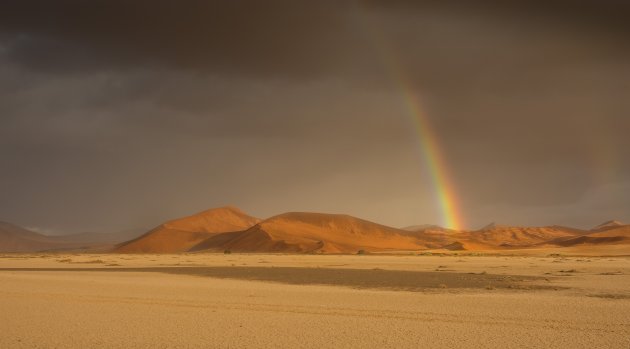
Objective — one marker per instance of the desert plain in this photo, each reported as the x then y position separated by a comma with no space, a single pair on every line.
464,299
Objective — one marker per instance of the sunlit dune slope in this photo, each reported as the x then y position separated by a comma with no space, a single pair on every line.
181,234
317,233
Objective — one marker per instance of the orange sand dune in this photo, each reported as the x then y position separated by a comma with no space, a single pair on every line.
333,233
228,228
608,235
318,233
513,237
493,236
623,230
181,234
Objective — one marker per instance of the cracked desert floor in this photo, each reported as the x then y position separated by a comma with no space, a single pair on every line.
313,301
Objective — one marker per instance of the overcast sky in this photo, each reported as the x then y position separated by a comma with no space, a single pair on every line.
119,114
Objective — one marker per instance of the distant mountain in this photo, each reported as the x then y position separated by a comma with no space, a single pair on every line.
17,239
101,238
607,225
300,232
181,234
14,238
421,227
493,226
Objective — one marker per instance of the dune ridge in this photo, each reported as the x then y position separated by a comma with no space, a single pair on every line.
303,232
315,233
229,228
179,235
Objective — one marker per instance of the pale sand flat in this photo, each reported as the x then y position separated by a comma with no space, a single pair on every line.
138,309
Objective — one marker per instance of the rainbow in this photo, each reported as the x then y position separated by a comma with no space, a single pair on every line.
434,160
427,138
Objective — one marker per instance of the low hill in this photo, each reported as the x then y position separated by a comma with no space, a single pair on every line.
181,234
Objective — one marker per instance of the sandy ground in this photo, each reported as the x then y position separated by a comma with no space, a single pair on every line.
310,301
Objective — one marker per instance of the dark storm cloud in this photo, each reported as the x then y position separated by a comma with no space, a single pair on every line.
153,109
287,38
253,37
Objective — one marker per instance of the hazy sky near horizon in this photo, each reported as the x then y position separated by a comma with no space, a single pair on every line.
119,114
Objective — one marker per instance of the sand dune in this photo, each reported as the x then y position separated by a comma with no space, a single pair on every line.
317,233
181,234
301,232
228,228
607,235
512,237
496,237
